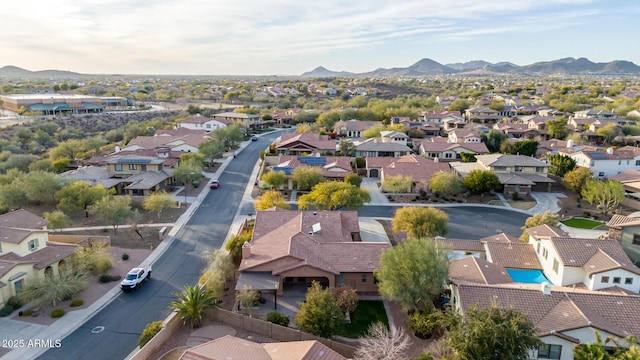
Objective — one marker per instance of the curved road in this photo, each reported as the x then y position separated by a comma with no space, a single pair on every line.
113,332
122,321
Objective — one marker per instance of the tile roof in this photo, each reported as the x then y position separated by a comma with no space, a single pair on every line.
146,180
355,125
23,219
15,235
502,237
546,231
233,348
288,235
475,270
589,252
416,167
378,145
513,255
620,221
463,245
562,310
197,119
510,160
627,176
170,140
315,141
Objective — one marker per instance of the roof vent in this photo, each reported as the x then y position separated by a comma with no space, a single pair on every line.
610,151
545,288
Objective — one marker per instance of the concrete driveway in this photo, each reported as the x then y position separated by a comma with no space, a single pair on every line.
371,184
546,201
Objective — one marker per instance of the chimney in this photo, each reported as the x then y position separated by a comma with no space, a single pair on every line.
246,250
546,288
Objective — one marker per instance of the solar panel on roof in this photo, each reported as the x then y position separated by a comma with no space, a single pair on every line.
134,161
597,155
312,160
285,170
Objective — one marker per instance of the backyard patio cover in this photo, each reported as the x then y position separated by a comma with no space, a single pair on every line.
259,281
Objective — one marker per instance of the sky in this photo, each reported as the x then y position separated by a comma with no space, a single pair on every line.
290,37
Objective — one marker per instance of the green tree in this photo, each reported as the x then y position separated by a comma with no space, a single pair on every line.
602,350
149,332
192,304
460,105
373,132
79,195
307,177
275,179
21,162
497,105
270,199
481,181
605,194
52,290
546,218
608,132
347,147
397,184
575,179
494,333
333,195
413,272
557,128
525,147
445,182
353,179
157,202
188,172
12,195
113,210
420,222
234,245
561,164
57,219
228,135
41,187
347,298
493,139
220,267
212,149
507,147
320,313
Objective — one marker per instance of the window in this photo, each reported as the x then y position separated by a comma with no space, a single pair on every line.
364,278
118,167
545,253
448,155
556,265
539,169
340,279
208,126
538,250
33,245
628,281
518,168
604,279
616,280
636,239
143,167
133,166
549,351
637,162
601,174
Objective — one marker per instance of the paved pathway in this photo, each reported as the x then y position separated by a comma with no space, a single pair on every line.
377,197
546,201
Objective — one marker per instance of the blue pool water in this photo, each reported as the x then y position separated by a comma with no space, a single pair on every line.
528,276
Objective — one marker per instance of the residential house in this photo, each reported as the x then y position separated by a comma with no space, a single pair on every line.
394,137
517,173
453,123
331,167
563,317
595,114
463,136
440,117
353,128
591,263
290,247
399,119
230,347
483,115
199,122
285,118
26,255
248,121
630,180
626,230
181,139
416,167
516,131
431,148
305,143
378,147
608,162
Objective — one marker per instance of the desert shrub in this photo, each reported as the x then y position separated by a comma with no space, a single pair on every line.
426,324
53,290
105,278
57,313
15,302
27,312
125,257
277,318
149,332
76,302
6,310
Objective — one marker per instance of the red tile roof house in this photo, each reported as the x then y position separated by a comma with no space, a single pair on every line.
305,143
26,255
446,151
181,139
298,246
414,166
230,347
353,128
332,167
199,122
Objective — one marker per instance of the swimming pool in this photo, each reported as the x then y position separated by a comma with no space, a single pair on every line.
528,276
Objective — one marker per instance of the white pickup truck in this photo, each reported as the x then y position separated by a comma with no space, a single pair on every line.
135,278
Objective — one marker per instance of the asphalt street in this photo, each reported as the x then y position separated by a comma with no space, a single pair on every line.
114,331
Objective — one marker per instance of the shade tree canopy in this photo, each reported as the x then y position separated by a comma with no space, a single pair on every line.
420,222
333,195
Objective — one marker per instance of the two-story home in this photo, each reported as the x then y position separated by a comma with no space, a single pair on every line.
305,143
440,117
463,136
608,162
353,128
626,230
517,173
483,115
291,247
181,139
26,255
594,264
199,122
248,121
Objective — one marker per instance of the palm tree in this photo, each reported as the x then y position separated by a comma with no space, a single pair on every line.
192,304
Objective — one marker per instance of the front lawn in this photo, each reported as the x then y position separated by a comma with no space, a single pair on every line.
582,223
367,313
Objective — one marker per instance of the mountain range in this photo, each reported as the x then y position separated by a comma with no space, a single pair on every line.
427,67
